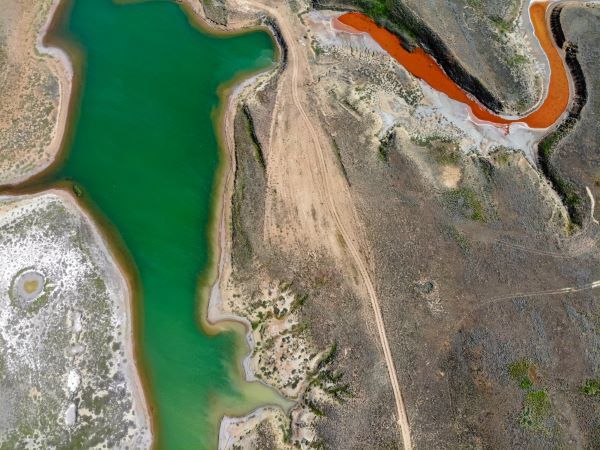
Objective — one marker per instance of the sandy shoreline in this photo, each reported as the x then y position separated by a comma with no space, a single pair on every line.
131,365
63,68
213,313
120,290
59,63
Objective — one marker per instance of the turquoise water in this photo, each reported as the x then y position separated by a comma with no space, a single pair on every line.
145,152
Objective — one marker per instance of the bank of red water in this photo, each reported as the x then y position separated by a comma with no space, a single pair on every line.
423,66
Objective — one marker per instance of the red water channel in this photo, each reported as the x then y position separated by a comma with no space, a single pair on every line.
423,66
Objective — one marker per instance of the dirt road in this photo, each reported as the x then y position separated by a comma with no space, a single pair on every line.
338,204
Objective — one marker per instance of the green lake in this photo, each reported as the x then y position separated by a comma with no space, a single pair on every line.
144,149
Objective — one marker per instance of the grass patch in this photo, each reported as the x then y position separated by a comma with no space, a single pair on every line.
565,189
501,25
338,155
314,408
519,369
458,237
591,387
385,145
249,123
385,13
536,408
516,60
382,153
466,200
328,357
298,302
525,383
316,48
501,155
77,190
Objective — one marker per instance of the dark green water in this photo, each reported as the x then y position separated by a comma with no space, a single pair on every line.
144,150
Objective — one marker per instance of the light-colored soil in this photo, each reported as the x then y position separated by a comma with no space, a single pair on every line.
66,348
35,82
310,204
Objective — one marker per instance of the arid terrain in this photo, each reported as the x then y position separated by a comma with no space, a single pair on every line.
35,84
67,371
409,277
370,219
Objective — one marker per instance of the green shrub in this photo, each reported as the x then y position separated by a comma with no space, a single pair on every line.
536,408
525,383
519,369
467,200
591,387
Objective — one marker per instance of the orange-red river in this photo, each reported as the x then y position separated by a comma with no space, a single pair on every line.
423,66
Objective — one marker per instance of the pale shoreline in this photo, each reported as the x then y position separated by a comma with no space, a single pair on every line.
127,307
213,311
123,305
64,72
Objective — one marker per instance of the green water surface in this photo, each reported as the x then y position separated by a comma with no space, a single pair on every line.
145,152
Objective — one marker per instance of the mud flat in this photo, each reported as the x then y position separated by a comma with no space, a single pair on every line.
68,367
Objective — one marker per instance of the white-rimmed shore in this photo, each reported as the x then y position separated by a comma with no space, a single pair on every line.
62,67
85,305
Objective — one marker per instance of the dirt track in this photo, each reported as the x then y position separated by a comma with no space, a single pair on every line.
335,194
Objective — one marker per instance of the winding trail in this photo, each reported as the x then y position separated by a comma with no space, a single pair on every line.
504,298
350,239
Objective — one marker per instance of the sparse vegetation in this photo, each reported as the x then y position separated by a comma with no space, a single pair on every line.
536,408
519,369
338,156
466,200
501,25
258,153
564,188
591,387
458,237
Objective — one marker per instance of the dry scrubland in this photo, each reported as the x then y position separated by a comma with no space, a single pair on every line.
482,274
67,375
484,36
30,86
347,172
